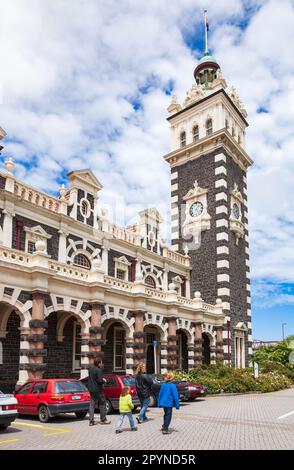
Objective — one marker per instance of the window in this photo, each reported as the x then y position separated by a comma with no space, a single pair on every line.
150,282
119,349
69,386
84,208
120,274
39,387
31,247
195,133
110,382
82,261
24,390
183,139
77,346
209,127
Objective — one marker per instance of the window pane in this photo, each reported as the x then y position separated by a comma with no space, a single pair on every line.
69,387
82,260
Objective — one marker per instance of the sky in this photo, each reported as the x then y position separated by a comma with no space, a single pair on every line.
87,83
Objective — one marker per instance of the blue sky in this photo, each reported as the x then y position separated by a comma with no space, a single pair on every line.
88,86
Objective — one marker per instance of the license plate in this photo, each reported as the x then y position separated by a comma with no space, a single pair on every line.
76,397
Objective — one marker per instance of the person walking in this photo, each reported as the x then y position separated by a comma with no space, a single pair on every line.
167,399
125,408
144,383
95,387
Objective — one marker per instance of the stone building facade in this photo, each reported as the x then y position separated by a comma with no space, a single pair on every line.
74,286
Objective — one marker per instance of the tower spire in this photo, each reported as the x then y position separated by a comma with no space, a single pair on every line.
206,27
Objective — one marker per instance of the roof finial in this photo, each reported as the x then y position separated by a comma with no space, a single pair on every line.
206,31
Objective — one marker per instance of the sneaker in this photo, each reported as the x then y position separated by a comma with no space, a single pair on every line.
134,429
164,431
145,419
105,421
92,423
138,420
118,431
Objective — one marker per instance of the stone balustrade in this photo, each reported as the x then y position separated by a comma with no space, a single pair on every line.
38,198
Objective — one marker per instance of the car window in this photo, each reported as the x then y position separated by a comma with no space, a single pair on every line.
24,390
110,382
39,387
131,381
68,386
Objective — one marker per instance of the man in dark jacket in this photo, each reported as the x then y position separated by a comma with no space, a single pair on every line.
95,387
143,383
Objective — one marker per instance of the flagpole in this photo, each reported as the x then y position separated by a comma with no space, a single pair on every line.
205,27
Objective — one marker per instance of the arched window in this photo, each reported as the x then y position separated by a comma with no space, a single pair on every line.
183,139
82,261
195,133
150,282
209,126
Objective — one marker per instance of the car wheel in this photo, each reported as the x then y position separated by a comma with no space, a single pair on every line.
81,414
43,414
152,401
109,407
192,399
3,427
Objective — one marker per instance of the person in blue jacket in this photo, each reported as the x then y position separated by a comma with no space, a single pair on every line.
167,399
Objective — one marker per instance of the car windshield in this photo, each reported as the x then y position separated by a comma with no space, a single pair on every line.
128,381
69,387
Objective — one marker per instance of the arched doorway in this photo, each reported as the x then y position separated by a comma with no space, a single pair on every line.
63,346
9,350
152,349
206,349
182,342
115,347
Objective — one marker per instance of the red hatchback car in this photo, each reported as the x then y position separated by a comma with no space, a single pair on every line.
47,398
112,390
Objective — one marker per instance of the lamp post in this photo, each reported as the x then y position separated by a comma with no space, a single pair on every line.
283,330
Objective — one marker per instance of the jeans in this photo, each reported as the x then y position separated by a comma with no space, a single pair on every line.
121,420
168,411
144,405
100,398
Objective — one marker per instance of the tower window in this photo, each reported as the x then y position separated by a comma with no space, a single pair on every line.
120,274
31,247
209,127
183,139
150,282
82,261
195,133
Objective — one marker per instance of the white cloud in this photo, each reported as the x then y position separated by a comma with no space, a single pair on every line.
72,71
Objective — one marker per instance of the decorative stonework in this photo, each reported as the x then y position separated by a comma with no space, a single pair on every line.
197,218
35,235
236,224
236,100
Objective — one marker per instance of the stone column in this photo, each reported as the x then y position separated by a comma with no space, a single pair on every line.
36,338
129,356
172,347
62,246
198,343
104,256
163,357
219,343
139,337
7,227
96,331
191,359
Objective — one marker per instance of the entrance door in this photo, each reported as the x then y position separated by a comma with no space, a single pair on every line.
206,349
150,354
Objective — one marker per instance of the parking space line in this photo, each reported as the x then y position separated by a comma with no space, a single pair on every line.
47,428
287,414
9,440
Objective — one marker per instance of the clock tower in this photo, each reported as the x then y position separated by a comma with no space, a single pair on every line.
209,163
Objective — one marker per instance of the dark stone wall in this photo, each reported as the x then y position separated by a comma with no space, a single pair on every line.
59,355
2,182
9,370
203,259
52,244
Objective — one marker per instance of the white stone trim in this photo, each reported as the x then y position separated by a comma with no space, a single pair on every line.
174,187
247,250
220,196
223,278
223,291
248,298
248,274
247,262
222,236
174,175
249,338
174,199
245,179
222,223
250,351
175,211
220,183
220,157
220,250
249,325
248,287
226,305
221,210
222,263
175,223
249,312
219,170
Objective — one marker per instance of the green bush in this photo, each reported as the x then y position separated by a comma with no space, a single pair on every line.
222,379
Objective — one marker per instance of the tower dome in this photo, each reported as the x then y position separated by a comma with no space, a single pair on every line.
205,71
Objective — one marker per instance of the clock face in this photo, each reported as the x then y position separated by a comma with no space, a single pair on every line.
196,209
236,211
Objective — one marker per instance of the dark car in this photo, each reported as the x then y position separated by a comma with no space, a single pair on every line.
112,390
187,391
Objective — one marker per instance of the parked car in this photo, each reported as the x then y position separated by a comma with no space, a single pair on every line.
112,390
187,390
8,410
47,398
